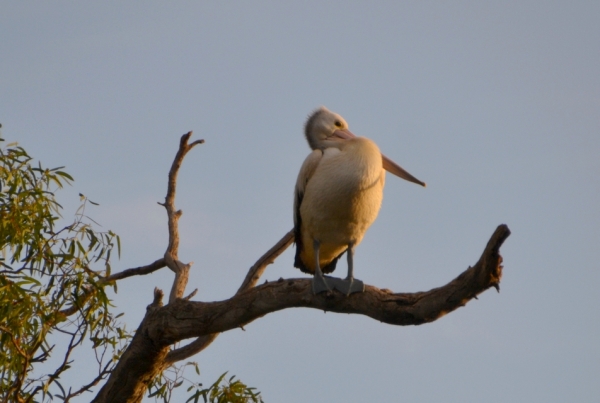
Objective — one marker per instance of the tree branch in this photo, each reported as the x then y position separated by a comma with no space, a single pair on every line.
189,350
148,353
163,326
269,257
78,303
186,319
105,371
180,269
250,281
137,271
136,368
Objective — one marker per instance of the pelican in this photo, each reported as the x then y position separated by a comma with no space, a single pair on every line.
337,197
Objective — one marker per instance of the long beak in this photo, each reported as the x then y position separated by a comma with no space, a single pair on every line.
397,170
388,164
343,134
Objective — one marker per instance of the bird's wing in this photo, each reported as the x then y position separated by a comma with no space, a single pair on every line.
306,172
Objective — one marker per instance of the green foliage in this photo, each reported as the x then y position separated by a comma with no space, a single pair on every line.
232,391
221,391
53,299
47,284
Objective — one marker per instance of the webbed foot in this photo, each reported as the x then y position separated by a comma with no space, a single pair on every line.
319,285
349,286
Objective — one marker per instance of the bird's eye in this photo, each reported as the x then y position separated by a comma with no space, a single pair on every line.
338,123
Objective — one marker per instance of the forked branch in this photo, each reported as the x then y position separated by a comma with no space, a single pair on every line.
186,319
180,269
182,319
250,281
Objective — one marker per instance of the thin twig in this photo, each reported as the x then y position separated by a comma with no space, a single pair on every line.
76,338
78,303
136,271
93,383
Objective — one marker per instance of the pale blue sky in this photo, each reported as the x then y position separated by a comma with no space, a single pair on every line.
494,104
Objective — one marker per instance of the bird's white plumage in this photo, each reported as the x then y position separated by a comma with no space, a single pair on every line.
342,193
338,191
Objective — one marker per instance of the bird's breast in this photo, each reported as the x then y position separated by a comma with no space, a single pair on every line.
354,168
343,197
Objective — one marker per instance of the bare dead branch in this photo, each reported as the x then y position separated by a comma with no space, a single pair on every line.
172,213
148,353
186,319
189,350
191,295
250,281
181,279
137,271
269,257
158,296
171,254
146,356
170,258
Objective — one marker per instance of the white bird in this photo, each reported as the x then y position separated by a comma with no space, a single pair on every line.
337,197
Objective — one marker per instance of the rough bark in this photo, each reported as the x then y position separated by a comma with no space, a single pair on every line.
250,281
180,269
185,319
138,365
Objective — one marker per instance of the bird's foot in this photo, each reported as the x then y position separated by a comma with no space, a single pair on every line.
319,285
349,285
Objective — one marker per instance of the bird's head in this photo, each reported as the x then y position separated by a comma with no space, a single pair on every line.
325,129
